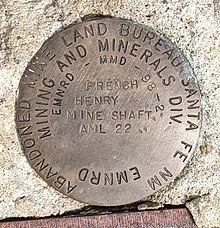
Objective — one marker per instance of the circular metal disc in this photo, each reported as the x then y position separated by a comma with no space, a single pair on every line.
108,111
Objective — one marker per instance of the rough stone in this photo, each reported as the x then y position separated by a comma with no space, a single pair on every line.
192,24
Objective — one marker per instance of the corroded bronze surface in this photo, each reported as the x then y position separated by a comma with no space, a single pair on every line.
108,111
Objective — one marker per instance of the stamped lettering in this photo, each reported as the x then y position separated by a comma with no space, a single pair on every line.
108,111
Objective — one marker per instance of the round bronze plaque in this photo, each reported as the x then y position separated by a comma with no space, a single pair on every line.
108,111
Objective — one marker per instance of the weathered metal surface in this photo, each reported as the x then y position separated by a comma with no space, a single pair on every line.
108,111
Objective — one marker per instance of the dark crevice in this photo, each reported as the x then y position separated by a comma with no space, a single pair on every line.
96,210
194,197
